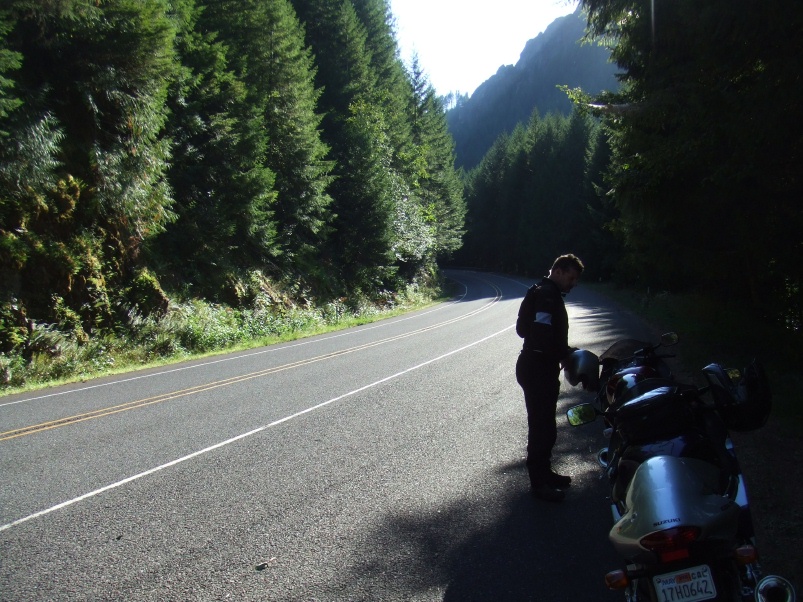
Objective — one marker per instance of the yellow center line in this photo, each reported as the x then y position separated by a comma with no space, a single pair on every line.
140,403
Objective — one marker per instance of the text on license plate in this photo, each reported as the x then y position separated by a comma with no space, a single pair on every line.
688,585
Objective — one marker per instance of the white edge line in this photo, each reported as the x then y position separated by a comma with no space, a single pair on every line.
239,437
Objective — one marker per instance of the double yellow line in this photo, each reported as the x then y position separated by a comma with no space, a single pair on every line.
141,403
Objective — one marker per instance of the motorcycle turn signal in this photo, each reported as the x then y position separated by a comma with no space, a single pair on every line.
746,555
617,580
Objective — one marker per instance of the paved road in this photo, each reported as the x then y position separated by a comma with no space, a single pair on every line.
380,463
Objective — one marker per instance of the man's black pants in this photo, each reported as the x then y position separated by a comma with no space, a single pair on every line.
539,378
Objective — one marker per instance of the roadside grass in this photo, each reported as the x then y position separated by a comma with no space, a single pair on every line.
730,334
192,330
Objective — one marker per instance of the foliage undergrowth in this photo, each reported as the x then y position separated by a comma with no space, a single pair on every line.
731,334
191,329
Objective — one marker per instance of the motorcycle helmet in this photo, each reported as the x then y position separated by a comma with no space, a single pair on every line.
582,366
742,397
625,380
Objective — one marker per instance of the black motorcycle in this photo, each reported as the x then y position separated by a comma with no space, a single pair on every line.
678,498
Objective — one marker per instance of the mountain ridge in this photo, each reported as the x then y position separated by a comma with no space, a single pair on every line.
554,57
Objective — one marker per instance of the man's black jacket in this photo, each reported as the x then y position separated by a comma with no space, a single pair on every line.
543,322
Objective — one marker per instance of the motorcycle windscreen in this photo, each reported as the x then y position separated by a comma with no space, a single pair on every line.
623,349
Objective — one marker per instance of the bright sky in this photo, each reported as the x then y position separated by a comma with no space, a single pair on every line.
461,43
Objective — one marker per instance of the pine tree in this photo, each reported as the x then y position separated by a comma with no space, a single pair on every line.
269,54
366,186
484,196
9,61
529,197
224,192
90,142
393,84
437,181
705,138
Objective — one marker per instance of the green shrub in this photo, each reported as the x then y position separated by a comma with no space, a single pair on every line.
14,326
49,353
145,294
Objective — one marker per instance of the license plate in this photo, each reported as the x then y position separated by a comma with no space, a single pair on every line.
688,585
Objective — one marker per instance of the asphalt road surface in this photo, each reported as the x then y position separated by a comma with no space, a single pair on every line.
385,462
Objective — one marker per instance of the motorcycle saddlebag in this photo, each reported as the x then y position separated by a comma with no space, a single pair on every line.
657,415
743,397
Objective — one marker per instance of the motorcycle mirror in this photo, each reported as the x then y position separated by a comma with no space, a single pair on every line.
581,414
669,338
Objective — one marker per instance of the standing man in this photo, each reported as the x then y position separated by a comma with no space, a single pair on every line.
544,325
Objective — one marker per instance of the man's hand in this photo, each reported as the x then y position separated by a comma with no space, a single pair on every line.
563,361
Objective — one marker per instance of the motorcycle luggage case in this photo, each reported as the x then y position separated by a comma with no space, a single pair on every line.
655,415
743,397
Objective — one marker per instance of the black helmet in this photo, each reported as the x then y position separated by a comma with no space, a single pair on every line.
582,367
742,397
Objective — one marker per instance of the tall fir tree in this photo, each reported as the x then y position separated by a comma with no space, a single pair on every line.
484,200
705,138
438,183
223,190
270,55
361,248
393,84
10,61
93,79
530,197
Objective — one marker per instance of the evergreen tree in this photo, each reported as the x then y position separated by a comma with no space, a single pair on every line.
529,199
417,212
9,61
705,139
486,203
393,85
366,186
89,142
569,171
223,190
437,182
269,54
339,42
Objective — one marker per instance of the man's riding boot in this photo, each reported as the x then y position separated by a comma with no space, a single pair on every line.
558,481
547,493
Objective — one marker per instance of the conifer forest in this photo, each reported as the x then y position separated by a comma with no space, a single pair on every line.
687,177
155,150
164,157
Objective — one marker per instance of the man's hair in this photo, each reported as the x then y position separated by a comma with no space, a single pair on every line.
568,262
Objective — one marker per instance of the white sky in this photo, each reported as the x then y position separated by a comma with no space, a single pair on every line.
461,43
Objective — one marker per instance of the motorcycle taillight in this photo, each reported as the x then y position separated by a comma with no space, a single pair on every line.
671,544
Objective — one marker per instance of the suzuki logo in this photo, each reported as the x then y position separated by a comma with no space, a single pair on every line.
665,522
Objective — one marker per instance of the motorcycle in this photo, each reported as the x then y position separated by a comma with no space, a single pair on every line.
678,498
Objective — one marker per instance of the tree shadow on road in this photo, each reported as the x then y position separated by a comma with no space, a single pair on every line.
505,547
497,543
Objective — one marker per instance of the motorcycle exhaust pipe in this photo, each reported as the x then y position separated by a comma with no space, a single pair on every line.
773,588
